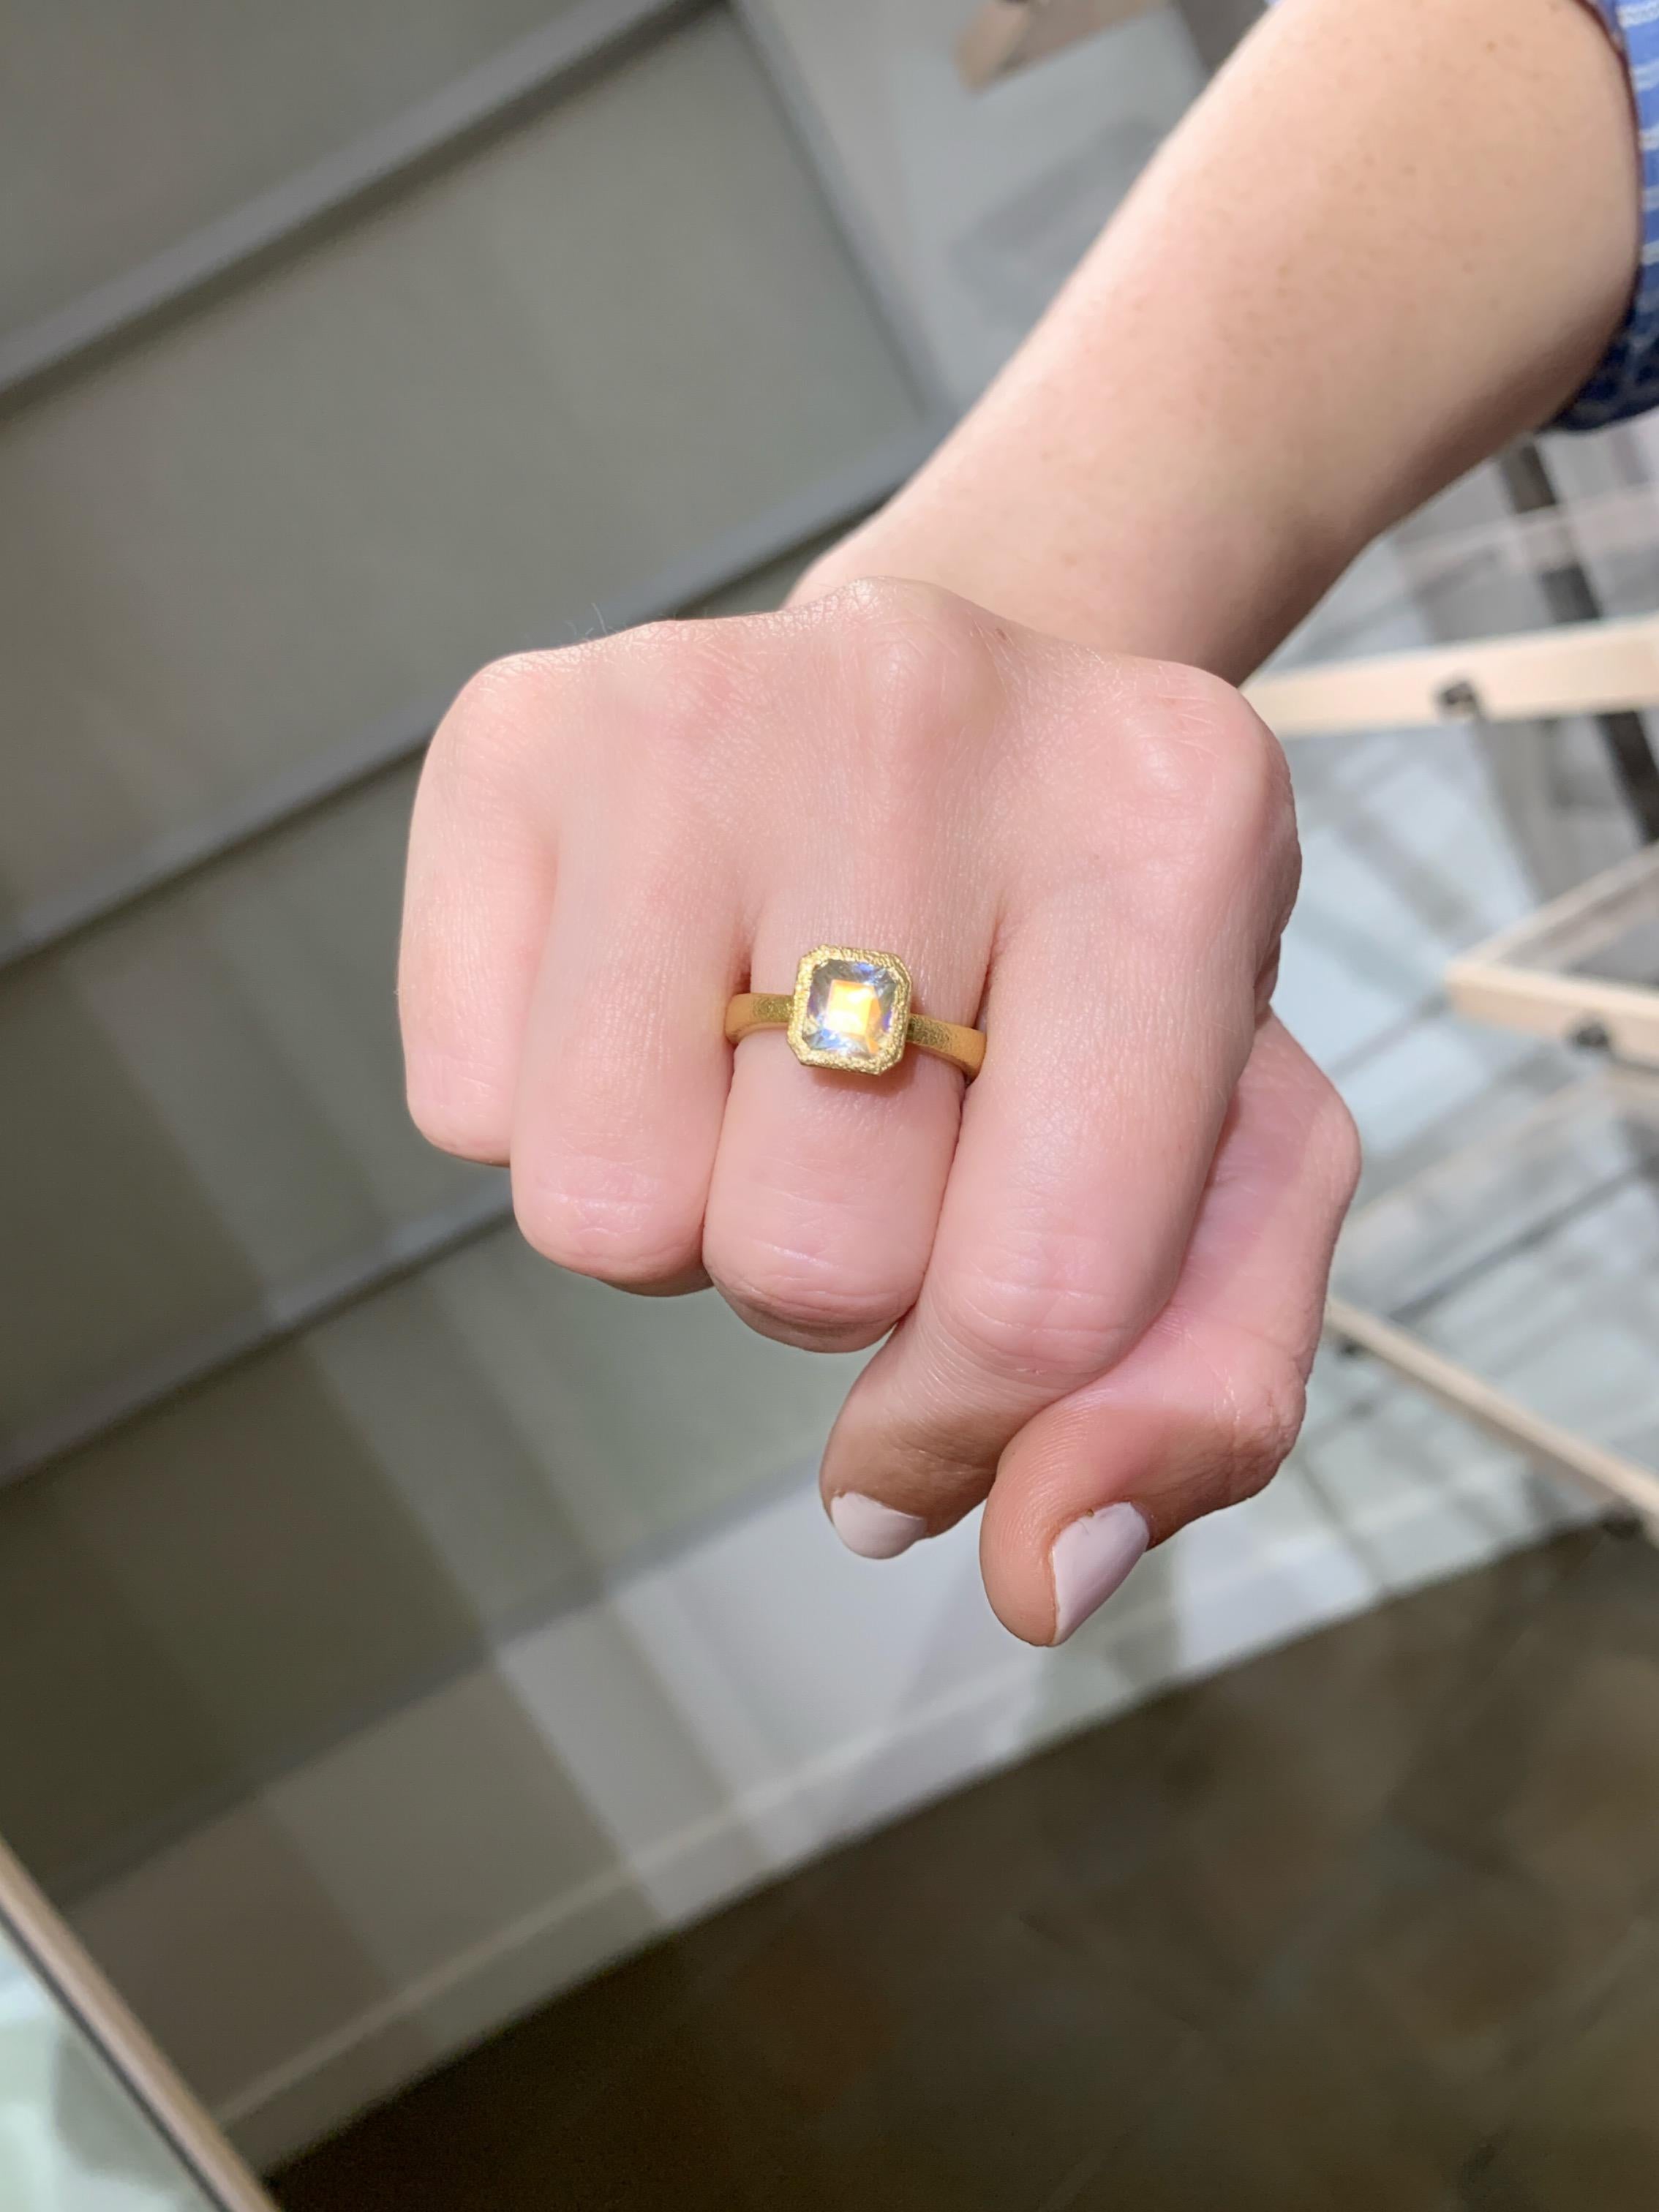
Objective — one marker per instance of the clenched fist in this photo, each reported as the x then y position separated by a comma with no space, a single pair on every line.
1099,1265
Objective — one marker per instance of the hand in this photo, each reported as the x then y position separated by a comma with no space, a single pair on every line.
1102,1268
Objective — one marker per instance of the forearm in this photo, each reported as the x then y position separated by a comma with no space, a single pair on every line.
1393,235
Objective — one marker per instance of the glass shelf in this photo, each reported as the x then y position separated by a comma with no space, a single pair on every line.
1531,1258
91,2118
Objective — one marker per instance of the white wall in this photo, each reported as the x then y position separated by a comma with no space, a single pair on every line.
977,205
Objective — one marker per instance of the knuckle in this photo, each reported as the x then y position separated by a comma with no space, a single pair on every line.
456,1110
602,1217
916,657
1024,1320
1337,1138
892,602
1175,771
1263,1418
667,691
1206,754
805,1297
677,689
1327,1137
496,717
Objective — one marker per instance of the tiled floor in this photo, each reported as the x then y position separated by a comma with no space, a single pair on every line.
1372,1922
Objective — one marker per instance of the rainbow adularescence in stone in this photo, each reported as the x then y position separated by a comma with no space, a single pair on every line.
850,1012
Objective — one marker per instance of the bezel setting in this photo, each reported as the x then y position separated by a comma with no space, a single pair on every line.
891,1050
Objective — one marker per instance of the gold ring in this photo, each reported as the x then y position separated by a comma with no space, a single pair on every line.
851,1009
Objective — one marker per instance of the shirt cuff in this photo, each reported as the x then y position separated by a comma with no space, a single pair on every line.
1626,381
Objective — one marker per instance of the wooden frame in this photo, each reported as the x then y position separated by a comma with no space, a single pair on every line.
1520,980
1517,979
86,1999
1617,1095
1588,1466
1578,668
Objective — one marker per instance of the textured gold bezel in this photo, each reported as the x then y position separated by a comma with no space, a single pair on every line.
898,1033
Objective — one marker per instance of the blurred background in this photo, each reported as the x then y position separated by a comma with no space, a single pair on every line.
396,1634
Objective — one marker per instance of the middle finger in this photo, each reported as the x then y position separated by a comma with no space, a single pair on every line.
1086,1149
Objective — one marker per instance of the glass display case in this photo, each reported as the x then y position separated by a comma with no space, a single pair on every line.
92,2119
1518,1279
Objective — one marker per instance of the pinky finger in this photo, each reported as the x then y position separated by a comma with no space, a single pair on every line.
1204,1409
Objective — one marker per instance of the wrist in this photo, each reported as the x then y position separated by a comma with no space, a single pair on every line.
1189,588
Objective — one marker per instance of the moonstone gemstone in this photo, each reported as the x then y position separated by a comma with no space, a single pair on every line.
849,1009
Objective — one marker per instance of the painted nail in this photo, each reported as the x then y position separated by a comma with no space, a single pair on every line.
871,1529
1091,1558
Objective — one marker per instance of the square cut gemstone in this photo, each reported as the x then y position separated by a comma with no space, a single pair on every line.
850,1010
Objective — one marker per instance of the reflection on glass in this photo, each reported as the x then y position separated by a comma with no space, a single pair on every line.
72,2138
1532,1257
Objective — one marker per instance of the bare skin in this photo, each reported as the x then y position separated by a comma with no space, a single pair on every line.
1395,235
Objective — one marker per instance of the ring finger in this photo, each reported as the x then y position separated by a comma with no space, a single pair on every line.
827,1184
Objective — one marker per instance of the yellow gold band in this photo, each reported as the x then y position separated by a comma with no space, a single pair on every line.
771,1010
839,985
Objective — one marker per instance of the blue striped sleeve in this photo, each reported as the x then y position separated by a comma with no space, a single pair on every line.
1626,379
